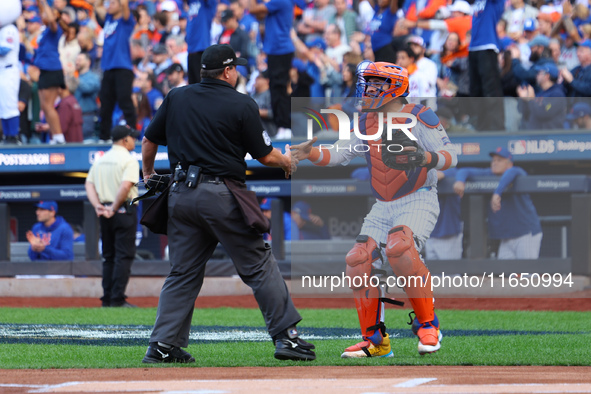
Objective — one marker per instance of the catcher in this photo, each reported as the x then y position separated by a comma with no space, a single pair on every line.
404,182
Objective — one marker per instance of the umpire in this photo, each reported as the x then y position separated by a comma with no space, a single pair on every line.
209,128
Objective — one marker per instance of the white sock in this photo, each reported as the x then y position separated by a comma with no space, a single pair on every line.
58,139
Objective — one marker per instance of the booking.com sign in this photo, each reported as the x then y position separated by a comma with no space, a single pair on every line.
345,124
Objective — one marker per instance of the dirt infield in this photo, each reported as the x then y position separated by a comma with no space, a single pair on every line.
580,301
307,379
395,379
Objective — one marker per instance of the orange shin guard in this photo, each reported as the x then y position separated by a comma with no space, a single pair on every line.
406,263
370,311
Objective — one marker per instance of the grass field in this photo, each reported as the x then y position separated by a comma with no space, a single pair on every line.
228,337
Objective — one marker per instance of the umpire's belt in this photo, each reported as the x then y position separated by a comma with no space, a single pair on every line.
203,178
210,179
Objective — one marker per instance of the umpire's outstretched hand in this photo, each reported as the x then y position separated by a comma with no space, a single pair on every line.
301,152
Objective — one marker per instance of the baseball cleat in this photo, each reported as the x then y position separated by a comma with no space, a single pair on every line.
429,338
293,349
158,354
369,349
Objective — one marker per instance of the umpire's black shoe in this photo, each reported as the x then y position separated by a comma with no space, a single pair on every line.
289,346
159,354
290,349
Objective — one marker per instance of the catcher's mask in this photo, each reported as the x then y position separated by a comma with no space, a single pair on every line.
393,82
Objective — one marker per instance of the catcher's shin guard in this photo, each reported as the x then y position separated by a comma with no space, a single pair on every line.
367,299
406,262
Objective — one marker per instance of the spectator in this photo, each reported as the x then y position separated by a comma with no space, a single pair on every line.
88,46
51,237
425,66
266,208
149,98
177,50
445,242
216,23
233,34
117,67
335,49
314,20
460,21
509,83
454,66
262,96
349,80
485,77
345,19
308,225
580,116
51,78
175,76
69,48
578,81
277,44
201,13
25,94
160,63
382,30
89,86
504,40
540,55
417,83
549,111
144,29
70,114
513,218
545,24
33,30
516,15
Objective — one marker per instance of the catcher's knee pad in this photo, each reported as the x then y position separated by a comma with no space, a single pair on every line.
406,263
360,258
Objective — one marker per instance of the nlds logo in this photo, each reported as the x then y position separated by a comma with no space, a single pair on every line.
522,147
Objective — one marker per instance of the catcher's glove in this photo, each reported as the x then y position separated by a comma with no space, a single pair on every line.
394,157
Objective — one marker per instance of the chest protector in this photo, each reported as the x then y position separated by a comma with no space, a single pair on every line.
388,184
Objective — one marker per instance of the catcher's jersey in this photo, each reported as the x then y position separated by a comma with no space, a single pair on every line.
389,184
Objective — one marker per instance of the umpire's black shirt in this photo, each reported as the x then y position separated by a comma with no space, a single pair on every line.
211,125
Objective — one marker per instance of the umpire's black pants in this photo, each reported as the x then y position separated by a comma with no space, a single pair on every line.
118,237
485,81
116,88
198,219
279,66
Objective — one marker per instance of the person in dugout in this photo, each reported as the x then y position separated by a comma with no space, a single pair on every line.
403,171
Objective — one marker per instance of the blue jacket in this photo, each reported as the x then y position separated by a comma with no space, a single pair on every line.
87,92
517,215
547,111
529,75
581,83
59,239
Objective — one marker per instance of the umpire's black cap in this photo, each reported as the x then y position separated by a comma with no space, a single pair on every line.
120,132
220,56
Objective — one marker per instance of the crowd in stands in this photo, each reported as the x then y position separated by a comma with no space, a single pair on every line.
121,57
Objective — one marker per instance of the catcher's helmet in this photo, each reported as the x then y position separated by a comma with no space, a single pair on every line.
394,83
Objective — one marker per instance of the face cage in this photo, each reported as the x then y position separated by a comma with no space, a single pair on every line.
383,94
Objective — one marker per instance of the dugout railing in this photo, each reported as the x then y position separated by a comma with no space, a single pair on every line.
570,193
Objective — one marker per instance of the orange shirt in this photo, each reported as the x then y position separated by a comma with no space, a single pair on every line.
460,25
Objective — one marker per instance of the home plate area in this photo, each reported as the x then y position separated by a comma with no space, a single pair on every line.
336,386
